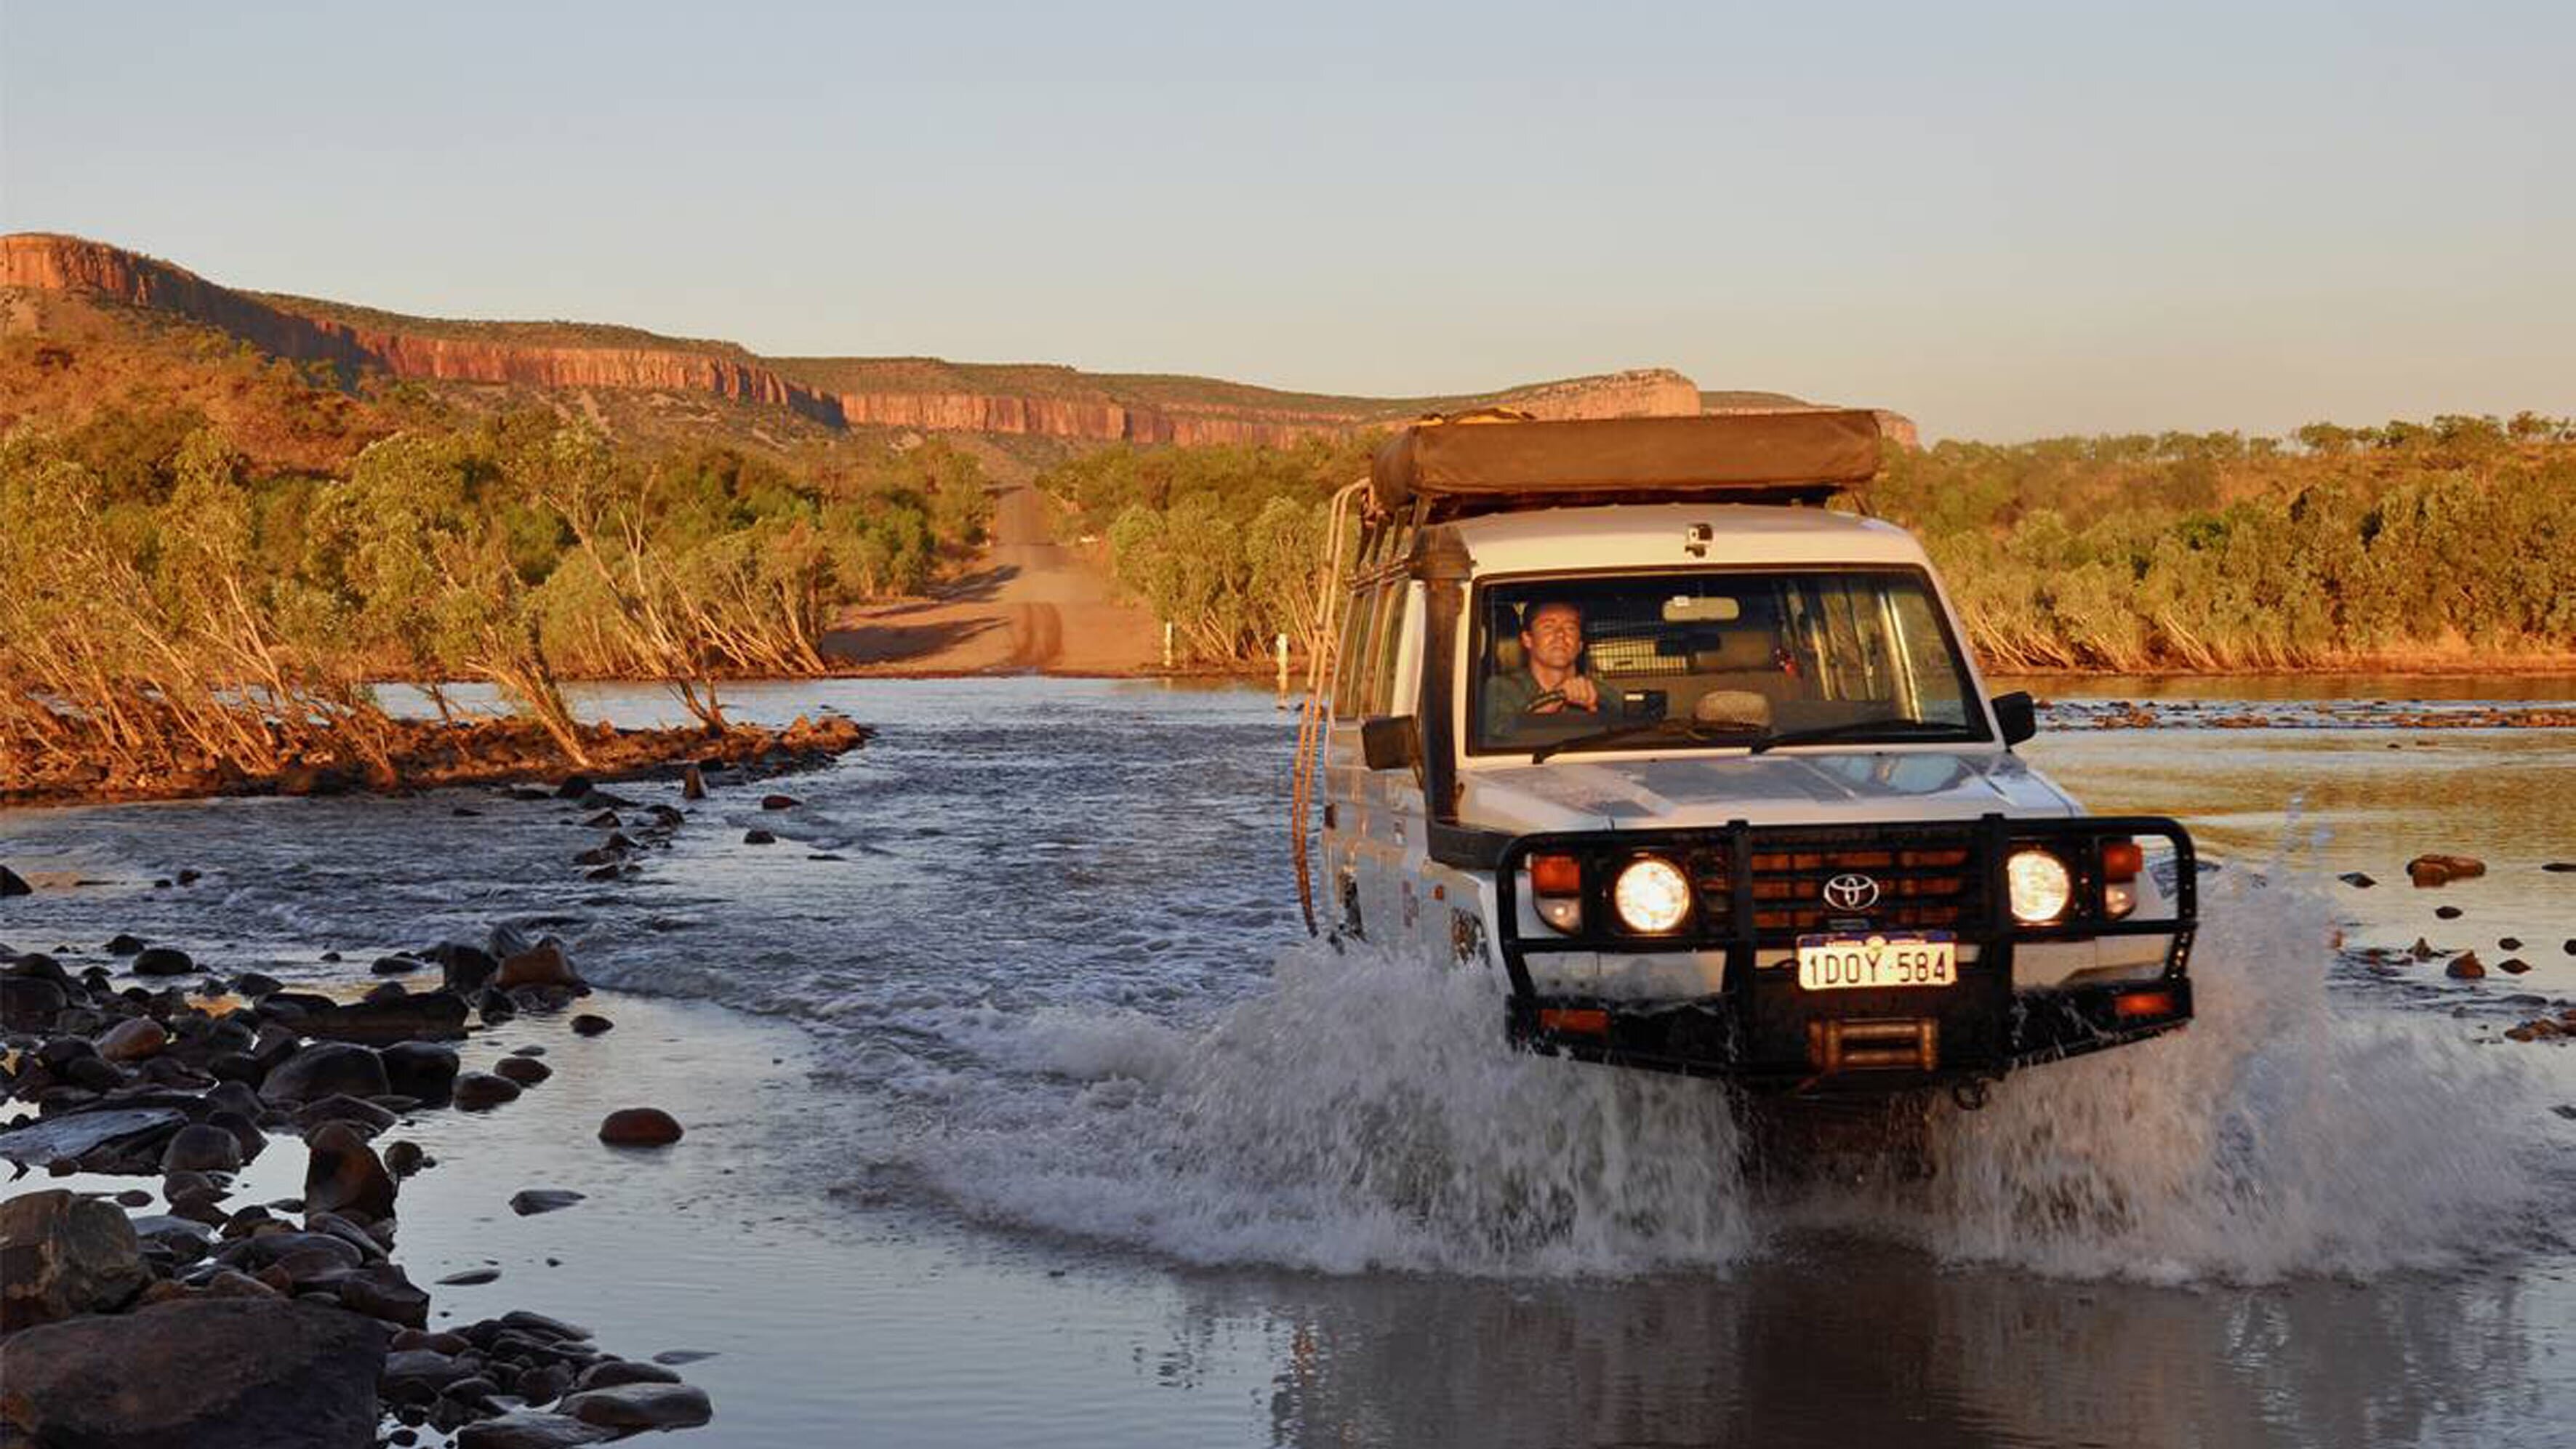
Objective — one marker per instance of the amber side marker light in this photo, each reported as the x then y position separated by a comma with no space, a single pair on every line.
2122,860
2143,1003
1556,875
1587,1020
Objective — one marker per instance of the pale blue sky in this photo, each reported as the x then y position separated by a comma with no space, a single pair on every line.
2005,220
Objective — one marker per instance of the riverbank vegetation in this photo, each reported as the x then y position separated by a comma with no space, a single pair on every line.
177,611
2450,543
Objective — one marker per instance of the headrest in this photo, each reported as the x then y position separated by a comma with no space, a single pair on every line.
1509,657
1732,651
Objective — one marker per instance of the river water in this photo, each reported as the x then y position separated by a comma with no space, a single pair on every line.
1022,1109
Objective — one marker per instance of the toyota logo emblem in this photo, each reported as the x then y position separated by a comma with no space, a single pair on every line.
1851,893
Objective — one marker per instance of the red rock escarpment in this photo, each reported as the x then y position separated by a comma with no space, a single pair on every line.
54,263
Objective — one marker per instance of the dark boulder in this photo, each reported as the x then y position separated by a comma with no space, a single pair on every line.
368,1117
463,968
2466,967
163,961
345,1175
122,944
30,1003
528,1202
2434,870
402,1159
419,1069
325,1069
133,1039
481,1092
256,984
588,1024
758,837
202,1147
611,1372
13,884
208,1373
542,964
639,1127
64,1255
526,1071
394,1017
779,802
693,784
641,1406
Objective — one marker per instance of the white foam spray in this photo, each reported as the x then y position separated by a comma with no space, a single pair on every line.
1365,1114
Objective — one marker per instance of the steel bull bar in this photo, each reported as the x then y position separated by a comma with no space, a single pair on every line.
1754,890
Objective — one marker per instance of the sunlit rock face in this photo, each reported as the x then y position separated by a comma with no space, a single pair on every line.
383,343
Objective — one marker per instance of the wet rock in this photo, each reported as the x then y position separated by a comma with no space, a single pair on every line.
471,1277
13,884
2466,967
134,1197
758,837
779,802
613,1372
2422,950
463,968
2561,867
202,1147
345,1175
2510,943
256,984
2447,913
2434,870
325,1069
421,1369
531,1429
574,787
639,1127
421,1070
2358,880
528,1202
132,1040
122,944
245,1132
588,1024
30,1003
65,1255
346,1110
641,1406
2513,966
494,1006
526,1071
66,1137
208,1373
163,961
398,965
693,784
681,1355
546,1383
380,1291
604,820
605,872
543,964
481,1092
404,1158
395,1016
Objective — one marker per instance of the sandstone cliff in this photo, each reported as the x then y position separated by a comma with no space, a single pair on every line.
1059,402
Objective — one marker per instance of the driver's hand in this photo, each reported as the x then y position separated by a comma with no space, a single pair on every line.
1581,693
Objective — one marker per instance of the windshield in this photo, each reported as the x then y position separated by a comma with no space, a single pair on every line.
1718,660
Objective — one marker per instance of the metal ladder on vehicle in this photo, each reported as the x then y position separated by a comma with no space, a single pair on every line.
1311,717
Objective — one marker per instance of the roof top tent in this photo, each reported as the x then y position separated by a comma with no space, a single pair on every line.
1493,462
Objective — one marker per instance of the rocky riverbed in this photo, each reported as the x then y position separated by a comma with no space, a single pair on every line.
270,1137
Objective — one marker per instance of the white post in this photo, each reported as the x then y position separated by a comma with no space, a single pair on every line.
1281,647
1167,644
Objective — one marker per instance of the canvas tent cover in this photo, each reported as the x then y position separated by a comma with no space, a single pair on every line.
1470,466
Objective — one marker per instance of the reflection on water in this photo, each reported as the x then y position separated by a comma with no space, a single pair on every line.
2501,688
1852,1343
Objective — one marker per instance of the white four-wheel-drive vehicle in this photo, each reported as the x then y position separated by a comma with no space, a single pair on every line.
1699,771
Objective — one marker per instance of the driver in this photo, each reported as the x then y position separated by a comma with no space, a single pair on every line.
1552,645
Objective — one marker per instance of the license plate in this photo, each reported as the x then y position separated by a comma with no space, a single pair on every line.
1845,963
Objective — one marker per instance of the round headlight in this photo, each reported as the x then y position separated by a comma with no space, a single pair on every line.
1652,895
2040,886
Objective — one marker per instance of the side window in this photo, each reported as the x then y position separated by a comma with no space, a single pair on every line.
1358,615
1390,646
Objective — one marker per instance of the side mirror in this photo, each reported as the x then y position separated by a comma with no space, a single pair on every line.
2018,716
1390,742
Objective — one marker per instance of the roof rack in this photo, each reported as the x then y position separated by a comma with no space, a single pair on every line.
1498,460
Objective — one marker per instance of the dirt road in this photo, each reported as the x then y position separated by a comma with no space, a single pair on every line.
1030,605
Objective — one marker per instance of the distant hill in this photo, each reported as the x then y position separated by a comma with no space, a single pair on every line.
54,288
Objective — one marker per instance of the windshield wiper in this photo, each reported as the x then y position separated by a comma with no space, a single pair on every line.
1900,723
1696,731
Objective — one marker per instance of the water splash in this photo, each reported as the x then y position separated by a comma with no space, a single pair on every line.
1364,1114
